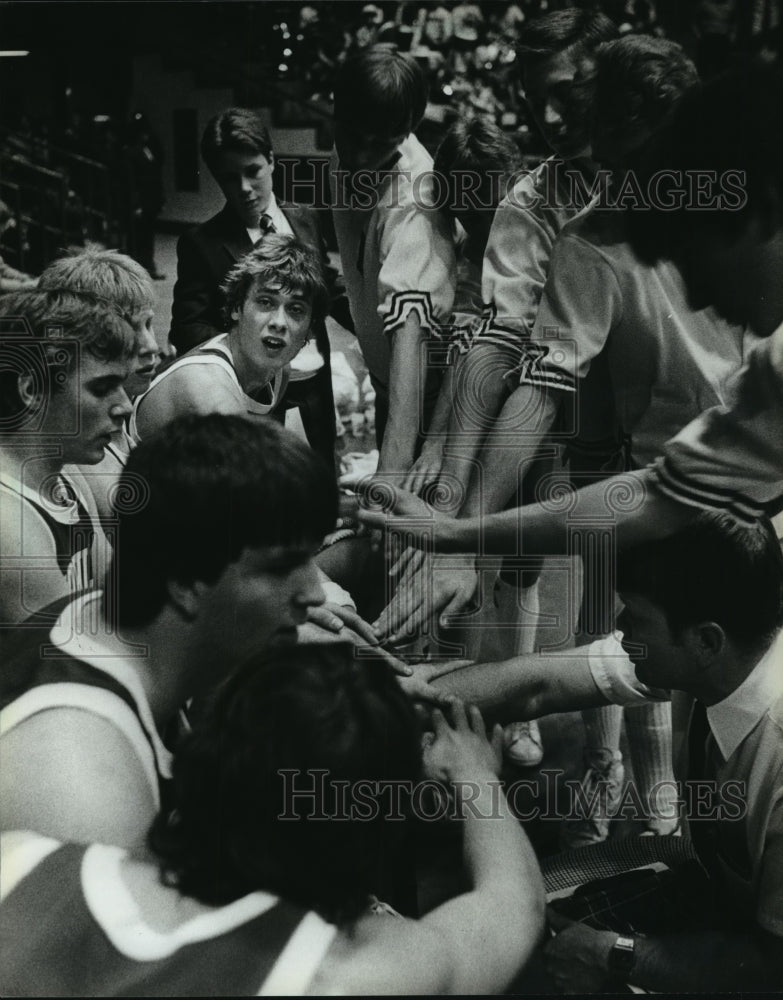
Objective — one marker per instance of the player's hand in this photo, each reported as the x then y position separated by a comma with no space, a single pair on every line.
419,687
337,622
441,587
425,469
460,751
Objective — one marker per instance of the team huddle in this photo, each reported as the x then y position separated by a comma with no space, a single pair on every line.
582,359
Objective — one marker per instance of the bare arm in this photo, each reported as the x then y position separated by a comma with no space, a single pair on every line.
480,388
71,775
476,942
510,447
195,390
525,687
640,514
406,388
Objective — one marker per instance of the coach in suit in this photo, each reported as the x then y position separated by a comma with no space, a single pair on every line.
237,150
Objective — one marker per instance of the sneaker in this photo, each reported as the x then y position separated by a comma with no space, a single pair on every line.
522,744
602,783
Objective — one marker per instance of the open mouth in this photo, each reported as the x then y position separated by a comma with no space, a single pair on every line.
273,343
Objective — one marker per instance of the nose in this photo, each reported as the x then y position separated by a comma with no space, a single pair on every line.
247,185
309,593
121,406
279,320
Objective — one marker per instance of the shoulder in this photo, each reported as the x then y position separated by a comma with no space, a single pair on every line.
73,774
23,528
199,387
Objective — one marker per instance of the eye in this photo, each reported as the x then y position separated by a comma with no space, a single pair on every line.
265,302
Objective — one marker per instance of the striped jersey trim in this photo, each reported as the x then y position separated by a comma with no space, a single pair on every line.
403,303
115,911
300,959
671,482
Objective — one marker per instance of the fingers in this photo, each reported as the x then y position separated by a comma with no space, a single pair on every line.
394,662
496,741
476,721
459,717
325,618
439,724
358,624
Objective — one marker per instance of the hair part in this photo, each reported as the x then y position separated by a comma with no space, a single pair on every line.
280,260
302,708
235,130
196,494
108,274
718,569
381,89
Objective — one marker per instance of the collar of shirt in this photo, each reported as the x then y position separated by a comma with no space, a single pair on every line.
279,221
733,718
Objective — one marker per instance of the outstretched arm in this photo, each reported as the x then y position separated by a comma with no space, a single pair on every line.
641,513
476,942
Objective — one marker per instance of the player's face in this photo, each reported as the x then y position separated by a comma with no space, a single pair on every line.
246,182
362,150
272,326
260,600
88,408
659,659
145,360
551,86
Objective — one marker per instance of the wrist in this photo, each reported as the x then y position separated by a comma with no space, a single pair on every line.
620,958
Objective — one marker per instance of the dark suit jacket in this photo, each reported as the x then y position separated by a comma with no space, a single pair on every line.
206,254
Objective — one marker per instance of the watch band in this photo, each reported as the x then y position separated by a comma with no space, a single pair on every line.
622,957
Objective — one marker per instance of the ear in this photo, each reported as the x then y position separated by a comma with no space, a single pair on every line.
235,314
706,641
186,597
271,159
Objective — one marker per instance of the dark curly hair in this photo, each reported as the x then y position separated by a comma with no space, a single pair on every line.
282,714
197,493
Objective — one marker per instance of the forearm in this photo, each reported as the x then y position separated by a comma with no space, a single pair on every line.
494,928
525,419
524,687
406,389
706,961
474,412
538,529
439,421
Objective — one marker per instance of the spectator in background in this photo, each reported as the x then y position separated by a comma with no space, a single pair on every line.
11,280
238,152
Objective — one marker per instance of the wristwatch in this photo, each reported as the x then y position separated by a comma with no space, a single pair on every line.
622,957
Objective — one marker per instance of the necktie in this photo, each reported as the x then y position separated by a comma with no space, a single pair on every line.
703,832
266,226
